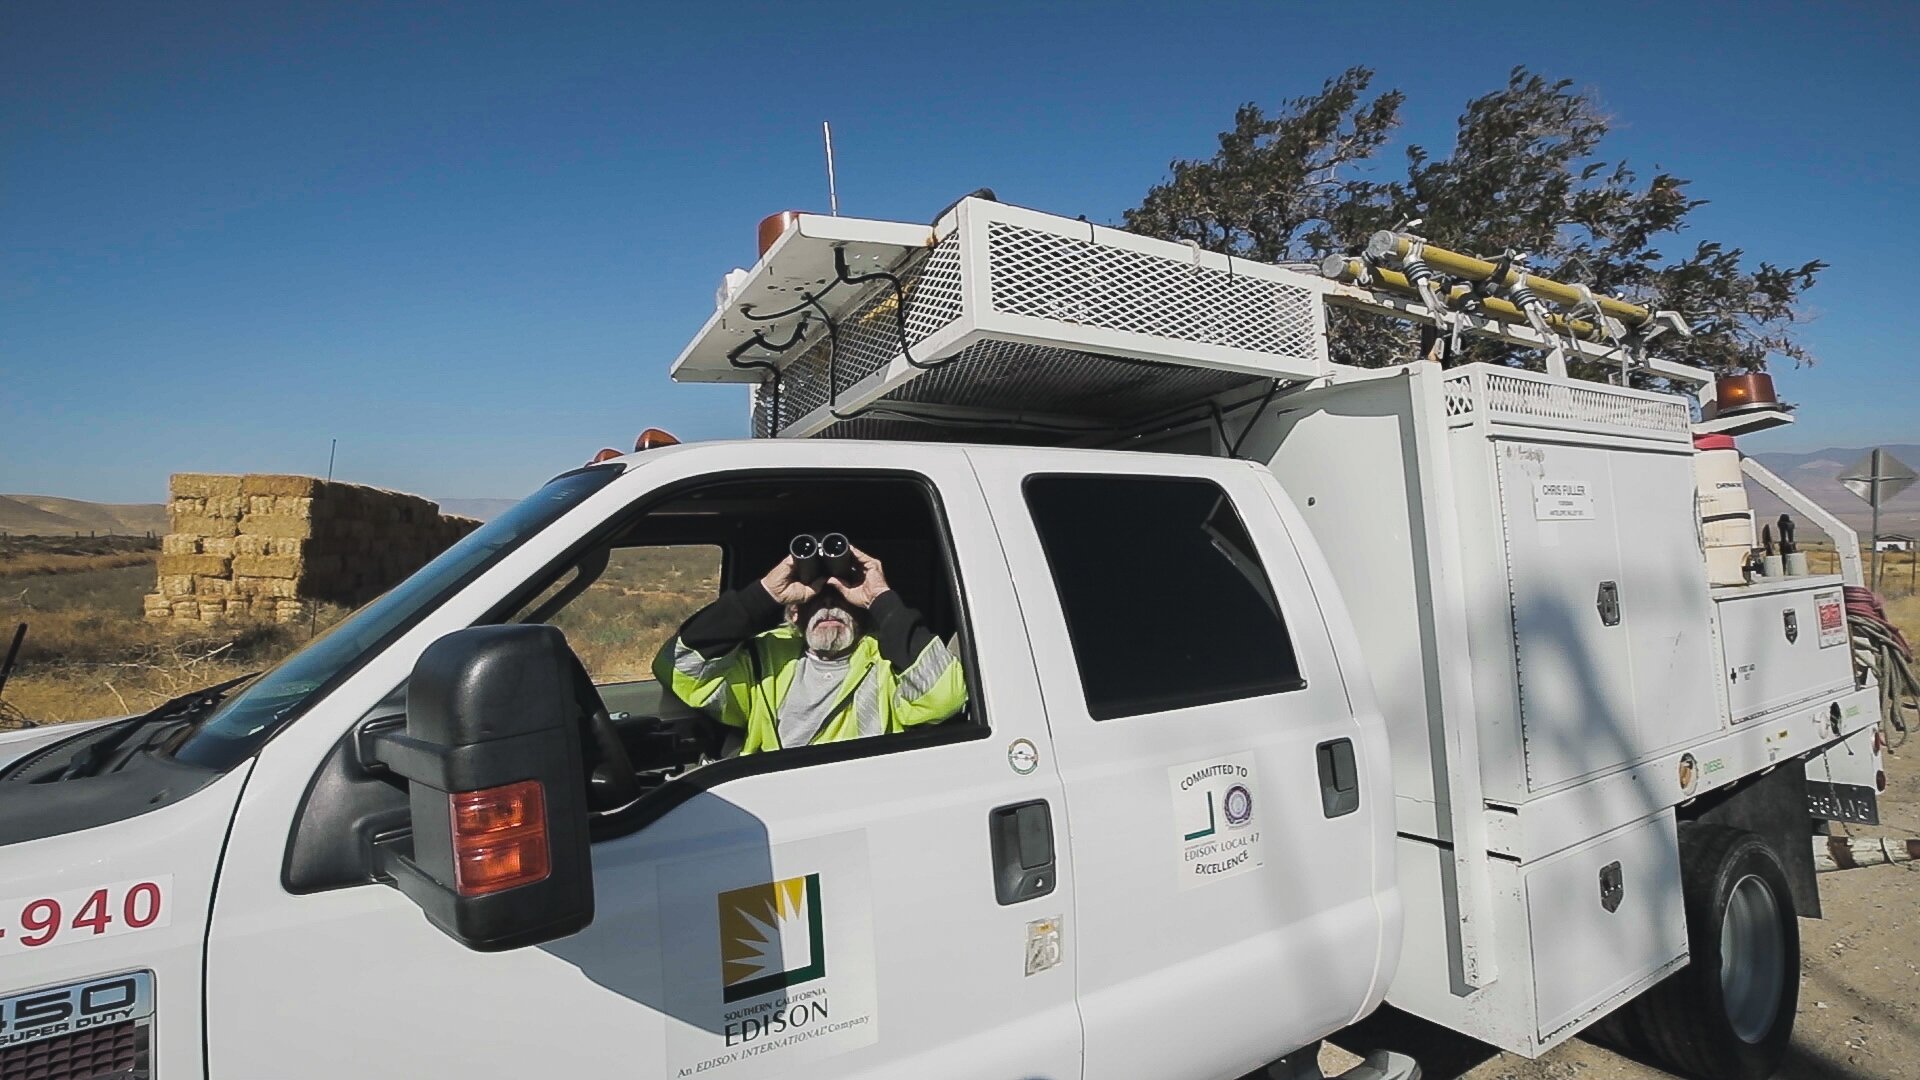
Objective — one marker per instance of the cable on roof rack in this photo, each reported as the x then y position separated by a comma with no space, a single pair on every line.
843,274
1247,429
759,338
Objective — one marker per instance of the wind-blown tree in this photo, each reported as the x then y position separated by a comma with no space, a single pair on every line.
1524,177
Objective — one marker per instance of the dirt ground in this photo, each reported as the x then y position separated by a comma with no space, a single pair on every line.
1859,983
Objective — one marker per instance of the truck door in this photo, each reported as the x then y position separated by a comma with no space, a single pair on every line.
1231,818
887,906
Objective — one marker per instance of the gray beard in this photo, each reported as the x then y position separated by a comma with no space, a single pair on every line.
831,640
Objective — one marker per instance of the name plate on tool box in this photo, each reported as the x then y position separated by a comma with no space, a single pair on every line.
1562,500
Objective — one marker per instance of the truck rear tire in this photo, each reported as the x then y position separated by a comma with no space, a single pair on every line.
1727,1015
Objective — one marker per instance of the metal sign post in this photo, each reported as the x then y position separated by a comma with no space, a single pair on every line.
1876,478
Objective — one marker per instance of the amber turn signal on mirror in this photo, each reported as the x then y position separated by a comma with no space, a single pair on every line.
499,837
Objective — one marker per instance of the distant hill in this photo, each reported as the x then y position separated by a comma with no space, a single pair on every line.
47,515
481,509
1817,476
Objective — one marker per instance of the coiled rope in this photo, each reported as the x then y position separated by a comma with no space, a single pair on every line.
1879,646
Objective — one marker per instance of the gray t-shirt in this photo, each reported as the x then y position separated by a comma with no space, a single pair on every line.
815,691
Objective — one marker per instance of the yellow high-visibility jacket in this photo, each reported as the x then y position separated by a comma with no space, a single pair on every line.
735,660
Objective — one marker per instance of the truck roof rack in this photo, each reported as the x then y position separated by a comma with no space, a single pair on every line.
999,323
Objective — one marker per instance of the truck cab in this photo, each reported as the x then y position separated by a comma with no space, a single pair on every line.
1166,796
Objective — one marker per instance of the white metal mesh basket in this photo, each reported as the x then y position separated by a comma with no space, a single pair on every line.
868,338
1527,399
1067,279
1014,315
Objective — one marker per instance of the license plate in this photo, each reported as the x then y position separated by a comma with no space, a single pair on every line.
1856,803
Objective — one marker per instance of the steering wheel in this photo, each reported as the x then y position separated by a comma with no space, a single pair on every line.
612,783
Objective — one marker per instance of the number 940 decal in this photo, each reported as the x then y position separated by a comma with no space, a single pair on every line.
67,918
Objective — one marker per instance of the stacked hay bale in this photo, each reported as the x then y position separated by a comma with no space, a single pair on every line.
262,548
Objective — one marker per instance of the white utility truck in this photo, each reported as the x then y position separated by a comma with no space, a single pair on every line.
1293,688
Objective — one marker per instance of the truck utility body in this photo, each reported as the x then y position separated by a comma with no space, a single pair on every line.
1291,688
1520,551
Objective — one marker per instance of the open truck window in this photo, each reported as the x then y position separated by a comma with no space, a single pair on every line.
618,611
623,600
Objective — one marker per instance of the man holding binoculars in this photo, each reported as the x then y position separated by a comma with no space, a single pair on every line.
819,650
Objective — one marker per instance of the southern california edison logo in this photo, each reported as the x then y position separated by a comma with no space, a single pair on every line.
771,937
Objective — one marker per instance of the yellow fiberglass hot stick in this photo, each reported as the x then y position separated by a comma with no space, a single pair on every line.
1349,269
1392,245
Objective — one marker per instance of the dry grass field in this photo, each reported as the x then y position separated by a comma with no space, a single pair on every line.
1905,613
624,617
89,652
35,556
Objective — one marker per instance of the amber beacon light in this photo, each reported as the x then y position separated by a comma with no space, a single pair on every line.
775,226
1751,392
654,437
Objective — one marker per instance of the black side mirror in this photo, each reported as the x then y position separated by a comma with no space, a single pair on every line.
491,753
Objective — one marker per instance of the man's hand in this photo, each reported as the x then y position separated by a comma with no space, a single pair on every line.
872,584
784,587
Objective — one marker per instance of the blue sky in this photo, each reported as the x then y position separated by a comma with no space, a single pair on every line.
466,240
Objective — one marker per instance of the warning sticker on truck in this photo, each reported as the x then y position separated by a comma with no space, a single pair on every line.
1215,819
1562,500
1833,618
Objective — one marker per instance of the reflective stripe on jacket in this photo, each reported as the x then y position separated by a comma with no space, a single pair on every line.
723,663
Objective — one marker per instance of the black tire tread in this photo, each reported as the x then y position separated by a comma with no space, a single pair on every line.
1665,1023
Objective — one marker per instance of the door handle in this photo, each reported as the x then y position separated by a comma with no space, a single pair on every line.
1339,778
1607,601
1021,835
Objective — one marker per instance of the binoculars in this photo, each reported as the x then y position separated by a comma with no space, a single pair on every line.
816,558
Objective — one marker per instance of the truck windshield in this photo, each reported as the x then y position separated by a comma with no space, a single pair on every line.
248,719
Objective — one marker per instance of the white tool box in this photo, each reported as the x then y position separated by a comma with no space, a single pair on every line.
1521,545
1783,643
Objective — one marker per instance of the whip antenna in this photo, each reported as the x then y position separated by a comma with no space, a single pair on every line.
833,193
